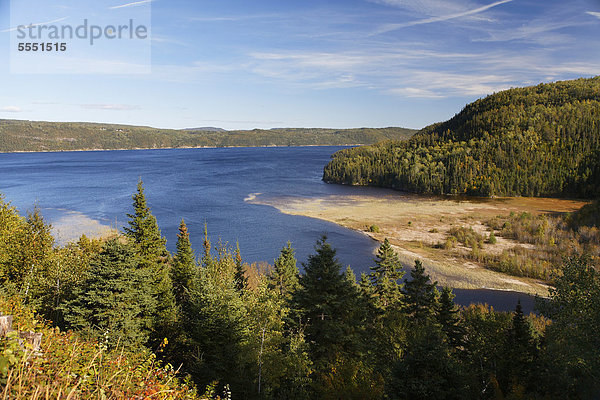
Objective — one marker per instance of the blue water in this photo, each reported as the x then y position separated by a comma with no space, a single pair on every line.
202,186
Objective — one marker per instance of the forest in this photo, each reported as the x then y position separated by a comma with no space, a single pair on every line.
541,141
121,317
69,136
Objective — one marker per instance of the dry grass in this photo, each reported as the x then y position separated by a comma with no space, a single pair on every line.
417,224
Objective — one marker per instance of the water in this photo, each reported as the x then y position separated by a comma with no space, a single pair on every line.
202,186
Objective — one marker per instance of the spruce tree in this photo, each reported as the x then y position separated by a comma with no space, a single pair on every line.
327,304
420,294
284,278
385,276
241,281
519,354
151,248
184,266
448,318
143,230
207,259
113,302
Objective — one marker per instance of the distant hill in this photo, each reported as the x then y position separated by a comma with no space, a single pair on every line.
206,129
541,140
18,135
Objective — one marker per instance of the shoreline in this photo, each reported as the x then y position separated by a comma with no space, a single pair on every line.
414,224
182,147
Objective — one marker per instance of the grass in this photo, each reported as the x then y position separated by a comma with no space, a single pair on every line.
71,368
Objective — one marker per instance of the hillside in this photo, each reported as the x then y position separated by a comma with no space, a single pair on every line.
542,140
62,136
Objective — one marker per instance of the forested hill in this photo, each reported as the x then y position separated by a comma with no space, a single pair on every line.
61,136
542,140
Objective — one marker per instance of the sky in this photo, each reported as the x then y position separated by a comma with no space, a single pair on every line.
239,64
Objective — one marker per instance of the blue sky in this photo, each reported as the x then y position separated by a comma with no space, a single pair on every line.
261,64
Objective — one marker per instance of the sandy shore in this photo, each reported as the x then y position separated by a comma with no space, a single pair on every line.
413,223
69,227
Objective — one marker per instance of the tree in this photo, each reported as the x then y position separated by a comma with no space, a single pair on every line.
420,294
284,278
448,318
572,341
327,303
515,369
241,281
151,248
385,275
427,369
184,268
143,230
113,303
219,330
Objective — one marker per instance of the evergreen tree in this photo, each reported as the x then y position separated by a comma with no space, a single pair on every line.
113,303
284,278
572,353
448,318
427,369
350,276
218,333
419,294
327,304
207,259
143,230
184,268
515,370
241,281
151,248
385,275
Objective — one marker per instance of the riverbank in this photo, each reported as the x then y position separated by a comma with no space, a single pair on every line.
415,224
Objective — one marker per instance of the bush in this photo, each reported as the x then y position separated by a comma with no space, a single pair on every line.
374,229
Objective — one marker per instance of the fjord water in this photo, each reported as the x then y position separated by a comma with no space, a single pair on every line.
209,186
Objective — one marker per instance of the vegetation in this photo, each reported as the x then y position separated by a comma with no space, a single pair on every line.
62,136
243,332
542,140
540,242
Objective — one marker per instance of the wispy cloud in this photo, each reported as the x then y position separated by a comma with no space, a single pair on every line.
36,24
135,3
11,109
532,30
593,13
111,107
392,27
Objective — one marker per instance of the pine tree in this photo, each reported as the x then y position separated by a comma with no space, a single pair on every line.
284,278
184,266
143,230
519,353
448,318
385,276
420,294
207,259
151,248
327,304
113,303
241,281
350,276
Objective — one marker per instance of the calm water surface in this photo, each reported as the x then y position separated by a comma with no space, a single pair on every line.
202,186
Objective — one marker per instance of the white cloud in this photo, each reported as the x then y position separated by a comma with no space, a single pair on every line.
111,107
136,3
11,109
465,13
593,13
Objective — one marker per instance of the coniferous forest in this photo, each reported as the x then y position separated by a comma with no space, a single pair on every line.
121,317
542,140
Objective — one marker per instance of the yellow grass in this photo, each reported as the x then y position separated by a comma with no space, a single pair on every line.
415,223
